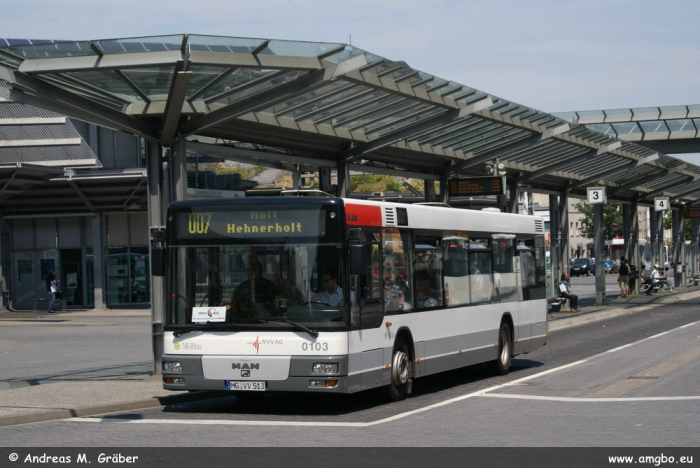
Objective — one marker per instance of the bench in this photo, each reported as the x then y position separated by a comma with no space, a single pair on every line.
44,304
556,303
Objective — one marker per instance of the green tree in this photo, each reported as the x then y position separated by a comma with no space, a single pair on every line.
612,220
668,224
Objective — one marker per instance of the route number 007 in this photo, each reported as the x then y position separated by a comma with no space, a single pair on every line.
314,346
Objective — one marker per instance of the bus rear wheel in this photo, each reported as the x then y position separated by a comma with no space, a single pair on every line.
400,372
501,366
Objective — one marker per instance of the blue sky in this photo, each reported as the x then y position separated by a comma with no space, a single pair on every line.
550,55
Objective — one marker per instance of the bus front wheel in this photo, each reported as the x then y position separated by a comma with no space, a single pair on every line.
400,371
501,366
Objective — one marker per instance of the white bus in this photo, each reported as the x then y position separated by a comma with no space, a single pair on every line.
332,295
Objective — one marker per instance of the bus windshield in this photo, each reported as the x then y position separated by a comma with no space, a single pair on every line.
253,265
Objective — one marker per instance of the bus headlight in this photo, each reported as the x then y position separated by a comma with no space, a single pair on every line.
323,383
172,367
325,368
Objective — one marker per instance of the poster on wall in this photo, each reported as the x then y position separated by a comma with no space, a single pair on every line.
25,269
72,280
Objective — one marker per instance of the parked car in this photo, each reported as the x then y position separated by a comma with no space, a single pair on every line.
581,266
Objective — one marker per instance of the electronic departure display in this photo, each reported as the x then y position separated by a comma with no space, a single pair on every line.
266,223
476,186
692,213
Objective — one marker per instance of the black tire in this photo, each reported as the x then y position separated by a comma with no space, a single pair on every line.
401,371
501,366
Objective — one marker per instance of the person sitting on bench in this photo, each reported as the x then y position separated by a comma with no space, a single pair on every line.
565,292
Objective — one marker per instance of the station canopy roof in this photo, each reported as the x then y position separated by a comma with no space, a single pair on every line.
325,104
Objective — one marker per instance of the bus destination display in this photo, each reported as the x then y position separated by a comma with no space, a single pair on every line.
476,186
250,224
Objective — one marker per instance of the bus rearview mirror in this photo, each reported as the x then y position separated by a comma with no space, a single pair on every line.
358,259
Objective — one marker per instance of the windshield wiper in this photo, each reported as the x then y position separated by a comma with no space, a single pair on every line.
313,333
181,332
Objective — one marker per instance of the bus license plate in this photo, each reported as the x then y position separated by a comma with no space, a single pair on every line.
247,386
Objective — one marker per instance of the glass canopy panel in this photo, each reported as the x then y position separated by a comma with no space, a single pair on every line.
673,112
694,111
140,44
475,129
115,102
394,107
109,81
267,82
646,113
349,52
605,129
585,117
90,87
239,45
9,60
654,130
445,132
341,94
299,49
681,128
364,113
238,77
202,77
618,115
337,113
627,129
52,50
403,119
326,92
568,116
154,82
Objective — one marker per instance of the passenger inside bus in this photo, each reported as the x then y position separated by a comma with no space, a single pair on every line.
426,296
248,297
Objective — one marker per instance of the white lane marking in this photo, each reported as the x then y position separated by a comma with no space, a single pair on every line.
398,416
648,338
324,424
586,400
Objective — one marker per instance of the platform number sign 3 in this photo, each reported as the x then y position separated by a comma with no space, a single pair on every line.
596,195
661,204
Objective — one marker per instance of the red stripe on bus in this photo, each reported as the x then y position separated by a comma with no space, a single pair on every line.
363,215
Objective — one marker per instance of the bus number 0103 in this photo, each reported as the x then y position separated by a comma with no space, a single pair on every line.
314,346
199,223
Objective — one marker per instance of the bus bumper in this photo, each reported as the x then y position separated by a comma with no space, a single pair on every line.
299,379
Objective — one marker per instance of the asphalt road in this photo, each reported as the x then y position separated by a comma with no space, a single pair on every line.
630,381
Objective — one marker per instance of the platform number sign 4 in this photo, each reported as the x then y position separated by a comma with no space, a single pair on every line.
662,204
597,195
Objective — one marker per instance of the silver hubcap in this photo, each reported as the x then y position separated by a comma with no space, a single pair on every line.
399,368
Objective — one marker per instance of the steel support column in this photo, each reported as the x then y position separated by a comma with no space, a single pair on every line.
178,170
599,247
343,179
444,193
632,242
565,257
324,179
678,239
554,257
156,223
429,190
97,254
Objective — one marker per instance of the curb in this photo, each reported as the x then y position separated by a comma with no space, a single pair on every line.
102,409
